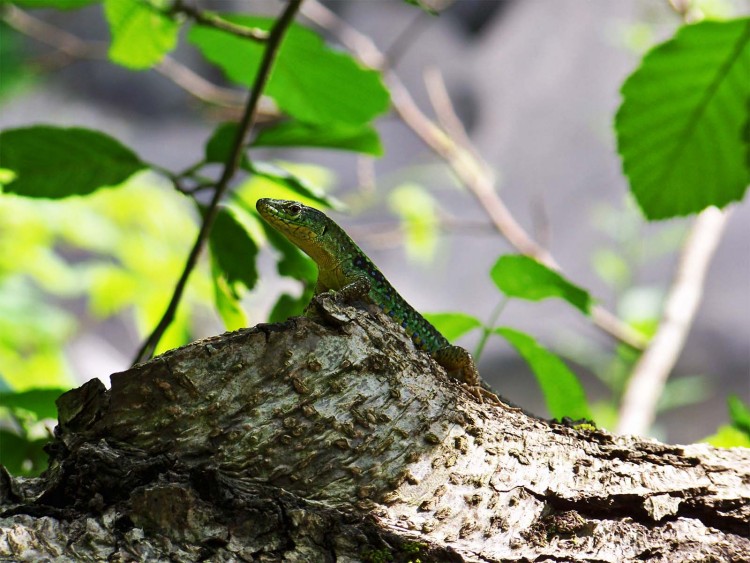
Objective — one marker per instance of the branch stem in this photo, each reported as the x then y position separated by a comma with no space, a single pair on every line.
248,118
647,381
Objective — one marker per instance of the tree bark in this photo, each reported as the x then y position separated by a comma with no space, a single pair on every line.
330,438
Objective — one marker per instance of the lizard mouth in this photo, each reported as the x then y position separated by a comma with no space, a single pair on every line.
270,210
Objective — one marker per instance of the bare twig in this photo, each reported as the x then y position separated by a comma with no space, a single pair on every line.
210,19
471,171
230,167
650,374
70,48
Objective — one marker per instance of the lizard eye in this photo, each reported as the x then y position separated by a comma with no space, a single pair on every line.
294,209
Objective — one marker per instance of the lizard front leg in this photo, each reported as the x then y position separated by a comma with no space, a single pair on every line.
460,365
358,288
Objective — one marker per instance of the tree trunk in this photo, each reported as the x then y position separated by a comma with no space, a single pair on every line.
331,438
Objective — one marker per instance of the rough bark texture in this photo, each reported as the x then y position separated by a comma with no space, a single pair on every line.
333,439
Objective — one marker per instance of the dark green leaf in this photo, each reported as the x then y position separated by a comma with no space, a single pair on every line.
141,34
39,401
288,306
57,4
739,413
53,162
13,59
524,277
311,82
293,263
226,299
294,183
562,391
233,248
219,146
679,128
453,325
17,451
362,138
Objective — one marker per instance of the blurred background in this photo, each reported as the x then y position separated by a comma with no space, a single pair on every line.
535,84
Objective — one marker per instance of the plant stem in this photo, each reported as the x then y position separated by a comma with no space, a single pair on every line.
489,327
230,167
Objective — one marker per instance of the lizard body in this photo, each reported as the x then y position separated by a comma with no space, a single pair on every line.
347,271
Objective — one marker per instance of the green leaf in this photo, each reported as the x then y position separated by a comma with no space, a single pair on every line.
729,437
141,34
417,210
679,128
524,277
57,4
562,391
294,263
424,5
453,325
683,391
298,185
289,306
22,456
357,138
227,303
310,81
39,401
739,413
233,247
219,145
54,162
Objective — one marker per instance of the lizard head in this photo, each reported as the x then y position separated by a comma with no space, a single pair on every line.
304,226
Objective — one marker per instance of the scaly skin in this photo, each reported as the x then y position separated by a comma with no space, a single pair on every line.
346,271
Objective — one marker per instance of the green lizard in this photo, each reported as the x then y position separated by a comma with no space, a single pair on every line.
347,272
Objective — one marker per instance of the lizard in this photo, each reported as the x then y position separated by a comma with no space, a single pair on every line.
348,274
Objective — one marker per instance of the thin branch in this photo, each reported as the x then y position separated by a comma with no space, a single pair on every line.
473,173
210,19
197,86
646,383
70,48
230,167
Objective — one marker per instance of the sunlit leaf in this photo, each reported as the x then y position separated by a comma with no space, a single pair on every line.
227,302
679,128
524,277
39,401
417,210
729,437
452,325
54,162
358,138
562,391
141,34
310,81
299,186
